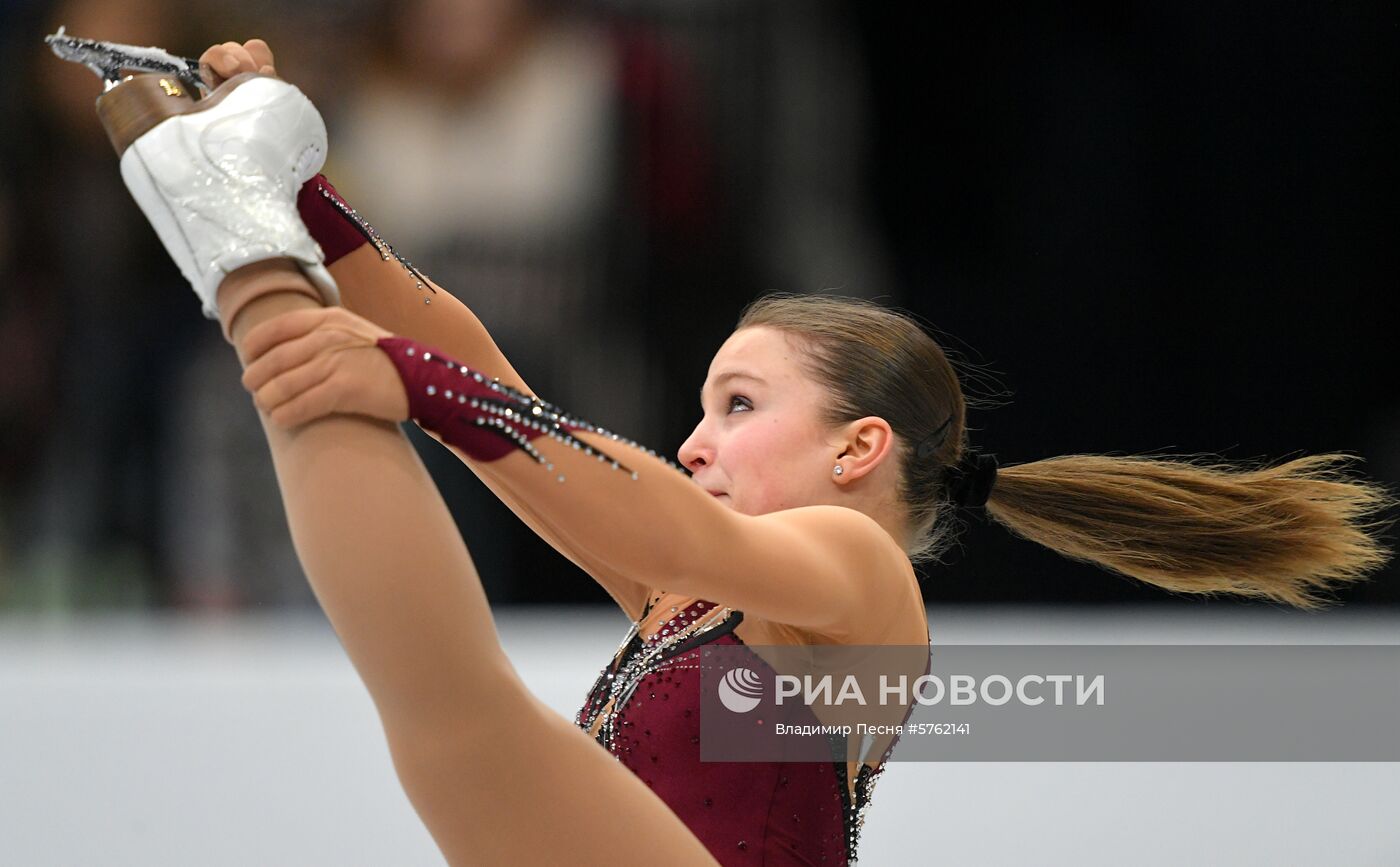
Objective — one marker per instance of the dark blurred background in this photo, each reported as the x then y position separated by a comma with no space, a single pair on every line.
1155,228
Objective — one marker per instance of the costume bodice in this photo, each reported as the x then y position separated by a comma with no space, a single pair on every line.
645,707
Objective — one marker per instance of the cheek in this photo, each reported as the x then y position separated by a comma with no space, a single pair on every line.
766,464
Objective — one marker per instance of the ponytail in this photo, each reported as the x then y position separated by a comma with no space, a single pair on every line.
1285,533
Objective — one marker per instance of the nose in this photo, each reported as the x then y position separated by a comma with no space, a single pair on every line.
695,453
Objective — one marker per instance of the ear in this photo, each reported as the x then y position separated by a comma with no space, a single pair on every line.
865,443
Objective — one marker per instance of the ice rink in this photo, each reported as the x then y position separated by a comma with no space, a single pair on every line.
249,740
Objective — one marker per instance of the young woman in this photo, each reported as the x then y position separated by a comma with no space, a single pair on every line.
831,455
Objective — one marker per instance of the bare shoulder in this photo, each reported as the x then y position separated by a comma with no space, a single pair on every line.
844,532
889,605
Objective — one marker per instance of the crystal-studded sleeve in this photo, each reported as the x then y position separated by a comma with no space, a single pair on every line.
819,567
487,419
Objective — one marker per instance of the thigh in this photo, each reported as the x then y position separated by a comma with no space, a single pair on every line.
529,787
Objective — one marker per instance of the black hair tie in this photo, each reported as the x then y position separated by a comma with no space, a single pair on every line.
970,480
929,444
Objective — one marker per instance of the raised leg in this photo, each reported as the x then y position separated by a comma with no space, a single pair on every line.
497,777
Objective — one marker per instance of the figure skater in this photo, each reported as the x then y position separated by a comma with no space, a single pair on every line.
832,454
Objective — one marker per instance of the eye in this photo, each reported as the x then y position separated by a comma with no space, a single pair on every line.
740,400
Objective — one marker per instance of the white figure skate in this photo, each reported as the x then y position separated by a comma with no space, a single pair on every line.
217,177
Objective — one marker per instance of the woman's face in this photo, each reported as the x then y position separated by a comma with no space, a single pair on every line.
761,445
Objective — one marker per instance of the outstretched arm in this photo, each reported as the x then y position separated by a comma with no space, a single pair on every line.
828,569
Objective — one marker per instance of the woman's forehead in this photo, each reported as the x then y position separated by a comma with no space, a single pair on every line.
754,346
757,353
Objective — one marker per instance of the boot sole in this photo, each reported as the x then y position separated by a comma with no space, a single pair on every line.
142,102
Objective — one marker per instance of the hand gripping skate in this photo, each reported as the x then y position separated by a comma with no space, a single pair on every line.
216,176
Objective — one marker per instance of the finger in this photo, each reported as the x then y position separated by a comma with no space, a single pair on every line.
260,52
281,328
288,355
227,61
313,403
246,63
288,386
207,71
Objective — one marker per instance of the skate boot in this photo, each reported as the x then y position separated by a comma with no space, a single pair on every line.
217,176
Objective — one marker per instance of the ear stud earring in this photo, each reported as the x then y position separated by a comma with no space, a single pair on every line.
838,470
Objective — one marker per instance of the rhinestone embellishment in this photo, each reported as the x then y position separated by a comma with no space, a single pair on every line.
648,658
508,413
386,250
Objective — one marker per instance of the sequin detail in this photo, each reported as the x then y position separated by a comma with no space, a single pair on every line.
854,806
822,815
386,250
617,683
456,401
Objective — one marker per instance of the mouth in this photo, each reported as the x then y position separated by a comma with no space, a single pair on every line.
717,493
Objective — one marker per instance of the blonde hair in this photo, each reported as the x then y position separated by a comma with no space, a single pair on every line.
1189,524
